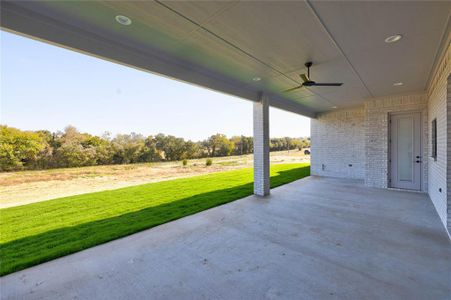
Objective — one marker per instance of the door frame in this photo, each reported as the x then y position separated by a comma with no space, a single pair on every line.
389,144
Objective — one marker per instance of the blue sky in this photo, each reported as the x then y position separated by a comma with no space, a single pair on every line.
47,87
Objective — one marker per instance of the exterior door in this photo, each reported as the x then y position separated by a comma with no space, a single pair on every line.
405,151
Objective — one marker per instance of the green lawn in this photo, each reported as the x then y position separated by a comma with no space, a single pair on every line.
35,233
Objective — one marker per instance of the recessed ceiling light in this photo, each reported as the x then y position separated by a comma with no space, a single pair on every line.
256,79
123,20
334,107
393,38
398,84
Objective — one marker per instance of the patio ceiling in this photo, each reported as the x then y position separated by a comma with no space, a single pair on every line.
224,45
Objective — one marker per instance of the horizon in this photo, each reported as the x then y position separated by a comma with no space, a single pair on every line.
66,87
111,136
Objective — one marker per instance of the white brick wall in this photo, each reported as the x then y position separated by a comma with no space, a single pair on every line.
261,147
377,116
337,148
360,136
438,109
448,155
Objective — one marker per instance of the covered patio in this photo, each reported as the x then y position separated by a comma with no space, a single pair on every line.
348,237
316,238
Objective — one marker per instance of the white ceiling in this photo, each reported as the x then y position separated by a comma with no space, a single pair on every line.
222,45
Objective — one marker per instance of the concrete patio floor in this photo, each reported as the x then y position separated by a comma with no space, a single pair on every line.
316,238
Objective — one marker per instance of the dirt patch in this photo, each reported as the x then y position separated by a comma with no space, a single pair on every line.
19,188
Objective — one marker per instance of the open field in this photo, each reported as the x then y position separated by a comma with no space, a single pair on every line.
19,188
38,232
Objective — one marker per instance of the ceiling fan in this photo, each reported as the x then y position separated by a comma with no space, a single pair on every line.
307,82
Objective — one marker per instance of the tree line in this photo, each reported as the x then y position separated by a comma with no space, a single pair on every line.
42,149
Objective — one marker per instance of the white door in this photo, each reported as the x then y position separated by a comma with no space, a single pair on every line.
405,151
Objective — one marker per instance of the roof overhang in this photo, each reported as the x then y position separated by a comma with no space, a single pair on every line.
224,45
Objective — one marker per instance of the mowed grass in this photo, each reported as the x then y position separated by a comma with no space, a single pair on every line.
35,233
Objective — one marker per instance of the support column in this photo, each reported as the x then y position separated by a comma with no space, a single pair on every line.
261,146
448,156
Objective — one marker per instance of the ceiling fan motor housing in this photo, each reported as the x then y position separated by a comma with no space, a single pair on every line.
307,82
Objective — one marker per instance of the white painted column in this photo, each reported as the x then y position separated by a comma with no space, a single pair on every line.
261,147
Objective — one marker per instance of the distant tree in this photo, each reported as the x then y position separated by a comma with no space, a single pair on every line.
206,145
220,145
45,158
171,146
288,143
150,152
191,150
76,149
102,148
304,143
71,148
248,144
238,142
226,148
18,148
127,148
75,155
276,144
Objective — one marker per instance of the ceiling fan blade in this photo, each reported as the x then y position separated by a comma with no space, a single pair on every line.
304,77
292,89
327,84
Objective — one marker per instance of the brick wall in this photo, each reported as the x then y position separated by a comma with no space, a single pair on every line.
439,170
338,144
448,155
360,136
377,116
261,147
